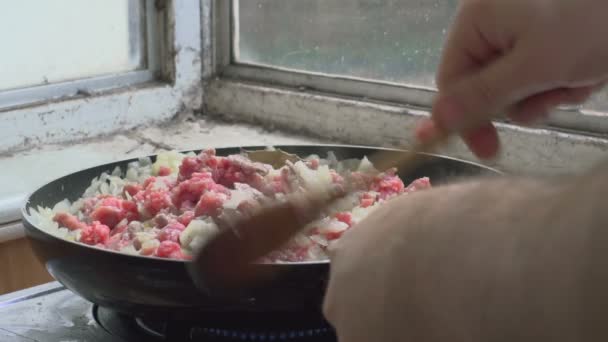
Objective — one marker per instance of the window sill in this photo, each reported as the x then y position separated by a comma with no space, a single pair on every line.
33,168
11,231
352,120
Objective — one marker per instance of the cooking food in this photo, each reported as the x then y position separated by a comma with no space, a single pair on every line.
170,207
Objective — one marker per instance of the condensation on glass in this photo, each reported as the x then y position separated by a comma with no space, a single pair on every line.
47,42
388,40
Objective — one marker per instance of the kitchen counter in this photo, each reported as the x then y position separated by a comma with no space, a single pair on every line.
25,171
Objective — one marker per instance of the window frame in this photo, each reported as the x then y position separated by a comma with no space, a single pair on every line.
573,118
170,83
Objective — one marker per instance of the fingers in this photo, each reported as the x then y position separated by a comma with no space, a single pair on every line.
465,50
482,141
469,104
476,98
538,106
470,77
491,66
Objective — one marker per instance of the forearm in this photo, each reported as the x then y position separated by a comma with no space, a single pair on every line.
551,283
590,216
507,259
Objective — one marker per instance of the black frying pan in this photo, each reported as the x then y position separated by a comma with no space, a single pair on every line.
145,286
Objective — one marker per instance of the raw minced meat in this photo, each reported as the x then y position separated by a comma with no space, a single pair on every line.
171,207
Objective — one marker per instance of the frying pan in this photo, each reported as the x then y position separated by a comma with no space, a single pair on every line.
154,287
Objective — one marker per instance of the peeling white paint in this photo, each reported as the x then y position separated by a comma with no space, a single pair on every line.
525,150
82,118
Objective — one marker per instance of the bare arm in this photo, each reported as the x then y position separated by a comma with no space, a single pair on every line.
490,260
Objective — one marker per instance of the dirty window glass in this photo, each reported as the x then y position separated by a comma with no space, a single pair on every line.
389,40
53,41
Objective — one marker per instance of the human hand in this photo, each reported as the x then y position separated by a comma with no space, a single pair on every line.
518,57
488,260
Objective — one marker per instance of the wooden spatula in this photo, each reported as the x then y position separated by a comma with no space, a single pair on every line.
226,262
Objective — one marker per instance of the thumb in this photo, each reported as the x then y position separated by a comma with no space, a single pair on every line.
476,98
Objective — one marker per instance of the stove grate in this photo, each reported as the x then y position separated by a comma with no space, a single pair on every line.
146,330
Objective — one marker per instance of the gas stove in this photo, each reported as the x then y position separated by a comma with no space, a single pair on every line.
52,313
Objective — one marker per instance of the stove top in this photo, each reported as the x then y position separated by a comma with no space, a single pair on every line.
51,313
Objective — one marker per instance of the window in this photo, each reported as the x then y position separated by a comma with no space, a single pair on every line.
392,41
51,43
74,69
374,49
93,38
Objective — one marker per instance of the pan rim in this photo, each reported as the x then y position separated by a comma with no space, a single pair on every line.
25,215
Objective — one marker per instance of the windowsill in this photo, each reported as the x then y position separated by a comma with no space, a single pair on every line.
539,151
31,169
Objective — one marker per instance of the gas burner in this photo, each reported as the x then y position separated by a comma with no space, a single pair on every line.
215,327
